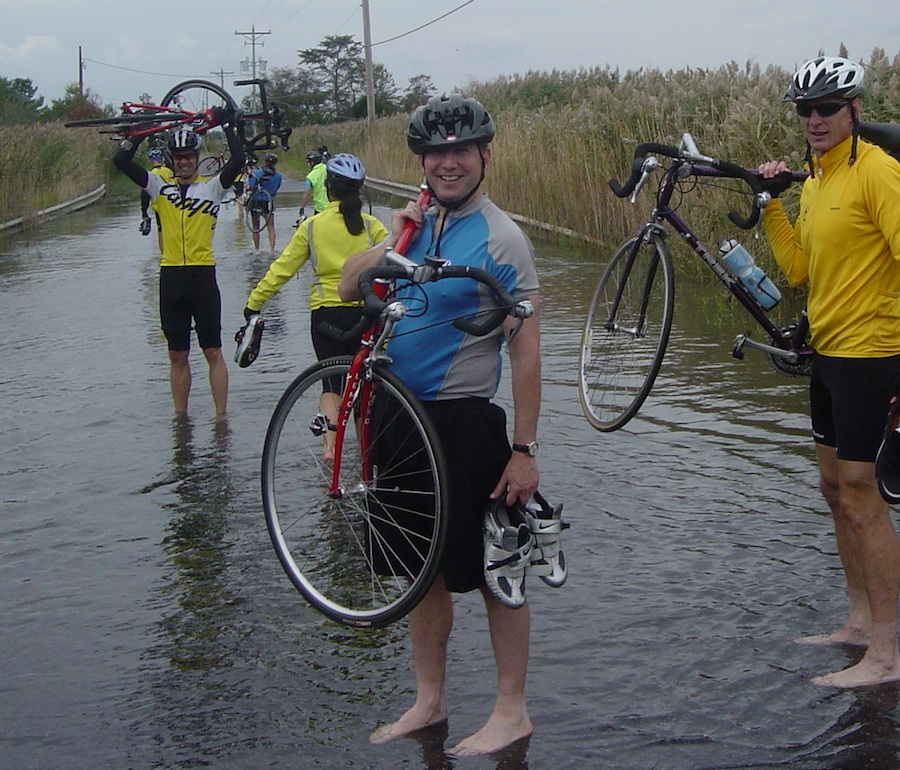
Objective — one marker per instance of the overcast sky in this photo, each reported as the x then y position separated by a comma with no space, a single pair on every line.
132,48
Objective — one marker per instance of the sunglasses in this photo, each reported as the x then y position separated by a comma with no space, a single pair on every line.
824,110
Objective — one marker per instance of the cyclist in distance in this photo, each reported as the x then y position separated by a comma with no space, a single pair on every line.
326,240
188,207
315,183
455,376
845,245
260,205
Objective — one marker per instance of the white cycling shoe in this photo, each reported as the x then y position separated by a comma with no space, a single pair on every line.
248,340
522,540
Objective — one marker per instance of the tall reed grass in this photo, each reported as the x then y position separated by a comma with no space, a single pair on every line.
42,165
562,135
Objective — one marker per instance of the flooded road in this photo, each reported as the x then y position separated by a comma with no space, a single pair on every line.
147,622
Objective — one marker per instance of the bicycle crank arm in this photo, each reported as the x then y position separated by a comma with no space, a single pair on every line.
744,340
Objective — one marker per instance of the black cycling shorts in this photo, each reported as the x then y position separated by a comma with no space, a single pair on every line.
849,399
472,435
186,295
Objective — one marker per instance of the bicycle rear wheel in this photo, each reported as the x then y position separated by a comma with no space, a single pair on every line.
366,554
626,332
198,96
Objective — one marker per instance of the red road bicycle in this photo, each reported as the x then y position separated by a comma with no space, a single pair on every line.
361,534
199,105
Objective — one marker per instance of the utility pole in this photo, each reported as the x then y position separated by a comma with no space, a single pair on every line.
370,70
254,64
80,73
221,75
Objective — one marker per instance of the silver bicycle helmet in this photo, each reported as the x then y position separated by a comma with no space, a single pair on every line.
184,140
448,120
826,76
347,166
270,157
314,156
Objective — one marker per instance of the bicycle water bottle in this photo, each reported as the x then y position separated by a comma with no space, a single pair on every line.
742,265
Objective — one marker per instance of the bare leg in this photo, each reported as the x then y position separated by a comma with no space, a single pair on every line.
856,629
254,219
270,230
430,624
875,556
329,405
180,379
218,380
509,722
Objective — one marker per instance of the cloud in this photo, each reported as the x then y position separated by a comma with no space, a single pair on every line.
33,49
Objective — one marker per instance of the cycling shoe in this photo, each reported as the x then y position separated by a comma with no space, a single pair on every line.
507,550
548,561
248,339
887,461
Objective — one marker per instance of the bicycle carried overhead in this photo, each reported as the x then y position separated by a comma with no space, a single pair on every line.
199,105
361,536
630,318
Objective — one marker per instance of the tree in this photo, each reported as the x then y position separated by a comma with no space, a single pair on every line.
77,106
387,97
18,104
338,68
298,94
420,90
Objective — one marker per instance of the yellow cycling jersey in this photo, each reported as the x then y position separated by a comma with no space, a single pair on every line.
187,218
845,244
165,173
324,240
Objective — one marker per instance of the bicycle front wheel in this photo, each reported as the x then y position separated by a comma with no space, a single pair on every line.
365,553
626,332
197,96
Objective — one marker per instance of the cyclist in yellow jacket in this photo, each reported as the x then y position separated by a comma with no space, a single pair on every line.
845,245
326,240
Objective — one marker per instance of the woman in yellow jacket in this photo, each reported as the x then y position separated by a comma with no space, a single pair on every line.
326,240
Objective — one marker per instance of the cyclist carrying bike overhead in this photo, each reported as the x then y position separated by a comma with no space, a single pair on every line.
188,206
326,240
845,245
455,376
263,204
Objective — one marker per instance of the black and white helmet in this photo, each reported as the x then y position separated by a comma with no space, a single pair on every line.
448,120
826,76
184,140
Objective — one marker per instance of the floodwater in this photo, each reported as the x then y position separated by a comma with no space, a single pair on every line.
147,622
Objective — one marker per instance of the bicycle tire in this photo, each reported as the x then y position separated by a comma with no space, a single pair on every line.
210,165
198,96
617,366
325,542
259,196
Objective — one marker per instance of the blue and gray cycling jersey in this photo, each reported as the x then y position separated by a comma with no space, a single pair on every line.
435,359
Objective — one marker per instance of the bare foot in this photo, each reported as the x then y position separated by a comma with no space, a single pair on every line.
497,734
412,721
844,636
863,674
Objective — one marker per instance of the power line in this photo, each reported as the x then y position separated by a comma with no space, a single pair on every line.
139,72
427,24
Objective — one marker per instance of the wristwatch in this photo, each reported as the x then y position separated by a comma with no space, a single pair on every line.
530,448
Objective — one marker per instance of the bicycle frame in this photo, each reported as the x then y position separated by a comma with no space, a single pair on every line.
358,387
789,346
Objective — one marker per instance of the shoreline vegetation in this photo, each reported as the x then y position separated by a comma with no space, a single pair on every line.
561,136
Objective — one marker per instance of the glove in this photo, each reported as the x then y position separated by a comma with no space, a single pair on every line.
145,225
248,313
222,115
